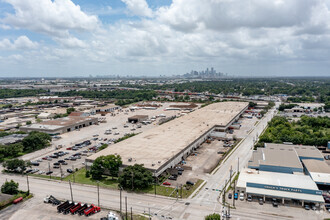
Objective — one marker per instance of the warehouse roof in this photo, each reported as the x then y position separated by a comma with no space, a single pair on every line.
302,150
318,170
156,146
280,185
281,157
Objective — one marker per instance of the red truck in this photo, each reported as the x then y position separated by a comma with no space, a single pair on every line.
75,208
91,210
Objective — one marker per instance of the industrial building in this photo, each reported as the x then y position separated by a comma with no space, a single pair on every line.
285,187
60,125
12,139
168,144
319,171
283,158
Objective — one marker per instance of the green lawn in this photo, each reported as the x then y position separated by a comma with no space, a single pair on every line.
79,177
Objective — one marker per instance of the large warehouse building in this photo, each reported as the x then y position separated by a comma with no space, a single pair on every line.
60,125
166,145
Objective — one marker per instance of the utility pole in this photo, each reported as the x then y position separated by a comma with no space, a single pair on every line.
98,194
50,175
120,200
234,193
71,191
61,171
230,173
149,214
27,180
126,206
237,165
131,214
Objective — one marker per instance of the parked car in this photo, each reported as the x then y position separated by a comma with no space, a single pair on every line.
56,167
249,198
241,196
166,183
172,178
69,170
49,172
307,207
190,183
261,201
235,196
230,196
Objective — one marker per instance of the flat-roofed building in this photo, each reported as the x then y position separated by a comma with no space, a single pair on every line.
281,186
303,151
284,160
318,170
165,146
60,125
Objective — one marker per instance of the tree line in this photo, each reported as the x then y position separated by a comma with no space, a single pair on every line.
306,131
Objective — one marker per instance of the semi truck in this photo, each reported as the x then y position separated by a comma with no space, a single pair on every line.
51,199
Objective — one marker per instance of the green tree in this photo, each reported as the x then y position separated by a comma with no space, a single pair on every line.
135,176
9,187
97,169
111,163
213,216
28,122
15,165
69,110
36,141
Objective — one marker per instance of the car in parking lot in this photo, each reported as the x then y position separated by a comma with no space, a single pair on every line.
241,196
56,167
230,196
235,196
49,172
261,201
172,177
69,170
166,183
307,207
249,198
190,183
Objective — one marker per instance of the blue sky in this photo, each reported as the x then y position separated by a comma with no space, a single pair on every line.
164,37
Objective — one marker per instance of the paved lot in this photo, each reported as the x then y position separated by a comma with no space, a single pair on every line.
285,212
35,209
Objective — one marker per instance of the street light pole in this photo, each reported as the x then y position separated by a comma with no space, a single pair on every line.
71,191
73,174
126,205
27,180
120,200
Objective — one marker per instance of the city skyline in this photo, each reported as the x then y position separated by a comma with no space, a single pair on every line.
64,38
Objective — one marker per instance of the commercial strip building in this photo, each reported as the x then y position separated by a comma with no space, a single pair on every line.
168,144
60,125
287,172
285,187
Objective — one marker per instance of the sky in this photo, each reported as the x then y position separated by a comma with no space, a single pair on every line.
70,38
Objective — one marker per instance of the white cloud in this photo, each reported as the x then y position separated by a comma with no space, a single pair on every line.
187,34
56,17
138,7
21,43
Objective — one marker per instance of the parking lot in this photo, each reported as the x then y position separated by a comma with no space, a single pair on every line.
205,158
114,126
281,211
30,210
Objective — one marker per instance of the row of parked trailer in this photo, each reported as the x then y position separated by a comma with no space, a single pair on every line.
72,207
